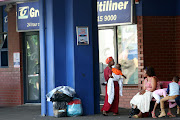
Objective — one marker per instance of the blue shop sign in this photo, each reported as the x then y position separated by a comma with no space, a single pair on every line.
114,12
28,16
5,20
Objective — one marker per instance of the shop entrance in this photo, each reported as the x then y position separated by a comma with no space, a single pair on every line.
107,48
120,42
32,68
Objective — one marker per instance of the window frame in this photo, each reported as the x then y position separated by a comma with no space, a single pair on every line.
4,49
3,33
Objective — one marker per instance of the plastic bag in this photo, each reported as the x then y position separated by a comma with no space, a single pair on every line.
60,97
63,89
60,109
74,108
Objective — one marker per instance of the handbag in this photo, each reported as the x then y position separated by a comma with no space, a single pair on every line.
133,112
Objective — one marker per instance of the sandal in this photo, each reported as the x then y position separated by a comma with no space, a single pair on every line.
153,115
135,116
115,114
104,113
170,115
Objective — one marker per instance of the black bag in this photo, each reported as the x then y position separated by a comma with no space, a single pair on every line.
60,97
60,109
133,112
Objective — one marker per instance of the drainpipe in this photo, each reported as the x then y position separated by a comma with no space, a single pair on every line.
43,77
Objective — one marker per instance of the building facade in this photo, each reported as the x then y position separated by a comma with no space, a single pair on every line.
35,60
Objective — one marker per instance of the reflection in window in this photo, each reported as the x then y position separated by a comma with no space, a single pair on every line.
3,50
128,52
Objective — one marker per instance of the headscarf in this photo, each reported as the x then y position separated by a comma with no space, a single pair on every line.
109,59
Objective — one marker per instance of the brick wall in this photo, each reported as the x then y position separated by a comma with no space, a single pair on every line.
11,85
160,45
128,93
177,43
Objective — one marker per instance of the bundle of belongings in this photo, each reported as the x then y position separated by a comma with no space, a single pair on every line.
62,97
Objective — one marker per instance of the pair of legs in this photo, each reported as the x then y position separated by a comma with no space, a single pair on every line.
163,113
114,106
139,115
154,110
169,111
157,98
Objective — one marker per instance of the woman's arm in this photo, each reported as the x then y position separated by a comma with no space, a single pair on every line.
153,83
143,90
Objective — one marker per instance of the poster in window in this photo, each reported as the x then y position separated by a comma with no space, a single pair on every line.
16,59
128,52
82,36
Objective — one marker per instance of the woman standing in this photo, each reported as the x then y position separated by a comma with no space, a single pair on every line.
108,74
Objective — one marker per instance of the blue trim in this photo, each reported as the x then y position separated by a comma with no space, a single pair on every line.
50,52
178,7
83,55
43,57
95,59
59,27
70,73
158,8
139,8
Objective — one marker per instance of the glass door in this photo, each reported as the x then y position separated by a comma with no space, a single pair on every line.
107,48
32,65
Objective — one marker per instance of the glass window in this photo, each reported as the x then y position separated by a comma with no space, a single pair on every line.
128,52
3,38
106,49
3,50
4,58
33,68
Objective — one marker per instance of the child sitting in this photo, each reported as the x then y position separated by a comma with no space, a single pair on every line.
117,71
156,94
173,90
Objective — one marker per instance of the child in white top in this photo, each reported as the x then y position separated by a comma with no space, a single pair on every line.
117,71
173,90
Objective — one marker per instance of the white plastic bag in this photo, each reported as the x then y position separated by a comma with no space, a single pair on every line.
64,89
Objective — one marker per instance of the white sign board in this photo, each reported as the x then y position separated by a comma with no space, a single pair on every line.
16,59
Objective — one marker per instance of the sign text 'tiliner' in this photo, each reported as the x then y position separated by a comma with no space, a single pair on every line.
111,6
